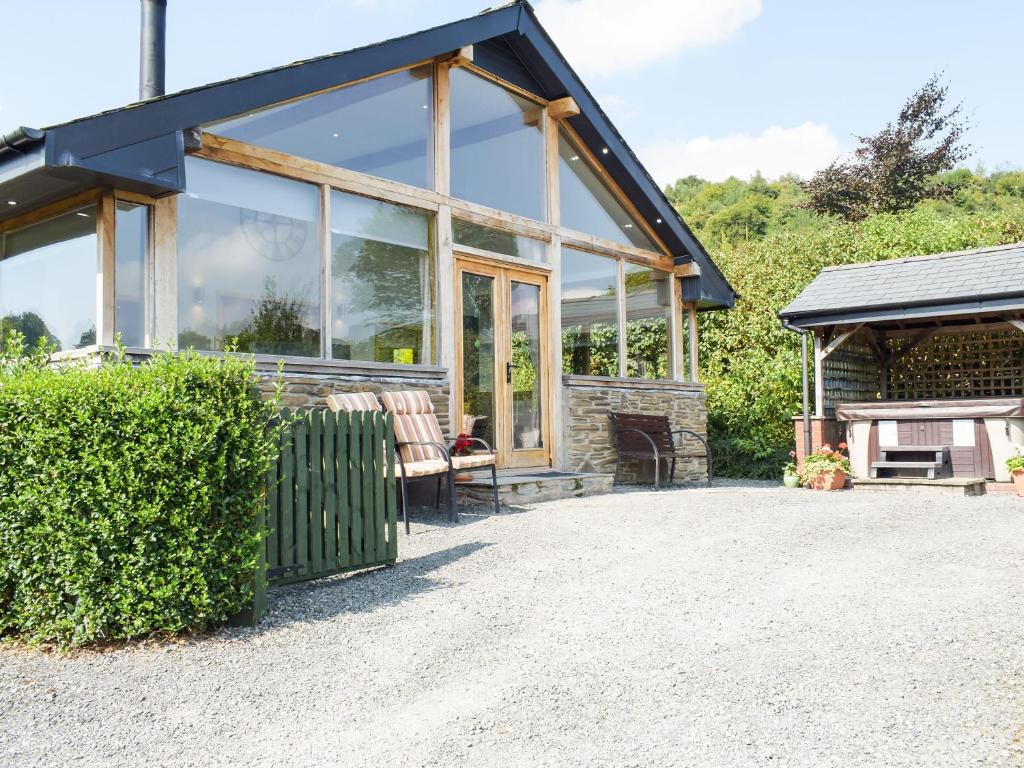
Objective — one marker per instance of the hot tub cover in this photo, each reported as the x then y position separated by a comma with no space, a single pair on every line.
962,408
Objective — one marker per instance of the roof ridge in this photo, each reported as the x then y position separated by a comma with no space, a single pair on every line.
927,257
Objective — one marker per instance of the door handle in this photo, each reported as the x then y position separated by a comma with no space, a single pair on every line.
508,373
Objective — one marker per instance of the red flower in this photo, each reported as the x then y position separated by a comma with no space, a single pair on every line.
843,446
463,445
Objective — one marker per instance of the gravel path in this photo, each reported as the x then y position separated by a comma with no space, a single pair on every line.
709,627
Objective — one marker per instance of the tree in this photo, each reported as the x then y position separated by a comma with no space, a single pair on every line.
892,171
31,326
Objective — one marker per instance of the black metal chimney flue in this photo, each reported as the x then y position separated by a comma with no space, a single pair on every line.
152,49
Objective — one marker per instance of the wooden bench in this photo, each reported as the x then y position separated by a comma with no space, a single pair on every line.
640,436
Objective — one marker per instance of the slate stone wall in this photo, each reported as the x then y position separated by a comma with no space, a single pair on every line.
311,390
588,445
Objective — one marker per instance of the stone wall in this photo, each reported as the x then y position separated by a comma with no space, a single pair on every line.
309,389
588,444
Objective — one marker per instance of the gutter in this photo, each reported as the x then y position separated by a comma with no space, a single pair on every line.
20,140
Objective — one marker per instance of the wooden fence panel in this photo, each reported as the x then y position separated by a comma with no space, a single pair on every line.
331,506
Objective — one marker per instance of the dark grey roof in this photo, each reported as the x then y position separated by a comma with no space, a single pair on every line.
978,280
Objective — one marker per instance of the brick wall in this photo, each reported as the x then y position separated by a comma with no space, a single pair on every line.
588,445
822,431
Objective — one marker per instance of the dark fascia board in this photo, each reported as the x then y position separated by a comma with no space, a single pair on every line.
597,130
966,306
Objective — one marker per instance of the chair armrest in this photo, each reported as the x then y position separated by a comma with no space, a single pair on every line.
474,440
440,448
703,441
654,448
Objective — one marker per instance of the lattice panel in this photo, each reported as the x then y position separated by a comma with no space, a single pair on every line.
851,374
989,364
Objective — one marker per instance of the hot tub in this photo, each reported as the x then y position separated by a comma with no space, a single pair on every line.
980,432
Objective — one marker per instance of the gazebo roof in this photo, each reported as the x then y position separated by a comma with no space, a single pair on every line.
984,280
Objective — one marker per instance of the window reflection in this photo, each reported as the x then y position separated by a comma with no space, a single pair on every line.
383,284
587,205
131,230
48,280
383,127
497,147
647,314
248,261
498,241
590,317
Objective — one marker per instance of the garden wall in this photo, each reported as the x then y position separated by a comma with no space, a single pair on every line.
588,445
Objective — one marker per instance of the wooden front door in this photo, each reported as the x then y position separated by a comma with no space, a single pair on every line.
502,360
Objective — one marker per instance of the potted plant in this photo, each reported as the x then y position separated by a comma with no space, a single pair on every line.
790,475
826,469
463,447
1016,466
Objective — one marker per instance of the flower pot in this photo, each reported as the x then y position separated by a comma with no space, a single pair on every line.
791,481
829,481
1018,481
462,477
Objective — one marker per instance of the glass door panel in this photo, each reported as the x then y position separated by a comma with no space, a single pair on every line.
501,376
478,357
524,374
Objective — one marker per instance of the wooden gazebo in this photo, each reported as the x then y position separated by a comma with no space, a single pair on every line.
922,353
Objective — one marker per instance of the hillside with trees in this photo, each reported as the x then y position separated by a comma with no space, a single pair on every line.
899,195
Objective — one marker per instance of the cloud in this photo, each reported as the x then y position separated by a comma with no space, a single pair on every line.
775,151
602,37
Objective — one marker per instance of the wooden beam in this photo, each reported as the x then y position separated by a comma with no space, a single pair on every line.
839,340
105,223
688,269
442,130
694,344
165,273
819,378
560,109
459,58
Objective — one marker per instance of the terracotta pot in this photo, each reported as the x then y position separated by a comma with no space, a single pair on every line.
1018,481
461,477
791,481
829,481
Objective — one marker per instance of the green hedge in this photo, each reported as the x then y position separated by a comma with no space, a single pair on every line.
128,495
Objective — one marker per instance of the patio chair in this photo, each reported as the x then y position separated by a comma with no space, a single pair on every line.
418,437
642,436
407,469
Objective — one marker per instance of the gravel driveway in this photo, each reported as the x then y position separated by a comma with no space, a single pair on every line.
706,627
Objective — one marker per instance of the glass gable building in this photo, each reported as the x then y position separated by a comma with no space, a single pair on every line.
447,224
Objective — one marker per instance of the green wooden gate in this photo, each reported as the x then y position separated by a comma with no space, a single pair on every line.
330,503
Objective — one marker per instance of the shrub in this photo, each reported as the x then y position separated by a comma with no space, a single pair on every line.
128,495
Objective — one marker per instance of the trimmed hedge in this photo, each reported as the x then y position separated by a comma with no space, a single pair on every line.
128,495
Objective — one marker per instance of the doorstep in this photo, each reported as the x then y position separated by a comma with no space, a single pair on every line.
956,486
525,486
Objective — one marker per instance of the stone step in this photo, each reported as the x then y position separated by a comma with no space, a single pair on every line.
956,486
517,487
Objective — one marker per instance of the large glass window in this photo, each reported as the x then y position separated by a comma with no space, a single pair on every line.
48,280
248,261
383,127
497,147
382,282
648,308
590,317
130,248
498,241
587,205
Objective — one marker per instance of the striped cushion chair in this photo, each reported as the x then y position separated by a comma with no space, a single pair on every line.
418,436
437,465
